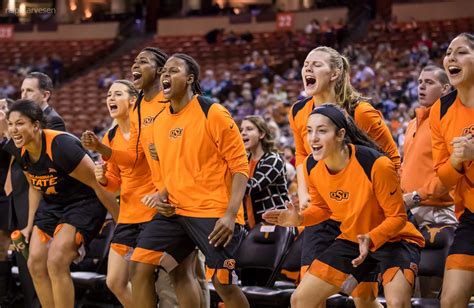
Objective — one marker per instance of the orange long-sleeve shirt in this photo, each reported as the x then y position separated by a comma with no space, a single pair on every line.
366,195
449,118
138,146
366,118
133,182
200,149
417,172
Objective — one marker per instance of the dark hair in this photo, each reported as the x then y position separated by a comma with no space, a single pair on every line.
440,73
268,141
193,68
354,134
469,37
29,109
132,91
44,82
161,57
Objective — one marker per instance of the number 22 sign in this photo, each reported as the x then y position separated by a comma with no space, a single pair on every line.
285,21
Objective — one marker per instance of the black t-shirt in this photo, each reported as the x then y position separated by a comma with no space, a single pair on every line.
61,153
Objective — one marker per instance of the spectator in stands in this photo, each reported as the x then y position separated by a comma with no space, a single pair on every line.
38,87
246,37
106,79
43,65
214,35
294,72
208,83
312,27
424,194
231,103
364,203
452,127
70,214
267,185
279,93
56,66
7,90
225,85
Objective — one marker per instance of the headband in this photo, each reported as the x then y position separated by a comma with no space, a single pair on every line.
333,113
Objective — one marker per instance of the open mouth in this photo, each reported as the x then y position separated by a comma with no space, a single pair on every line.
166,84
245,139
113,107
17,138
316,148
310,81
136,76
421,95
454,70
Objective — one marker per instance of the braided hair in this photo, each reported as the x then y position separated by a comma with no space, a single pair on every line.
192,68
160,58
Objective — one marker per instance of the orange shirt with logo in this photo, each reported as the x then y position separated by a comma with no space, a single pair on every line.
200,148
366,195
449,118
133,182
141,136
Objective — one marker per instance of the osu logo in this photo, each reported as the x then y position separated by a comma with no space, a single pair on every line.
148,121
229,264
339,195
176,132
468,130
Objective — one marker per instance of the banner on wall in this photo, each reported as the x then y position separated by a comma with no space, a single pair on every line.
285,21
6,32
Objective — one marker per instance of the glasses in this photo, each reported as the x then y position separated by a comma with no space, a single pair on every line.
170,70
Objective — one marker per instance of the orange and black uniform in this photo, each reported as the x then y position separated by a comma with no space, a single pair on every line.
66,200
319,237
366,195
133,183
142,117
4,200
199,150
449,118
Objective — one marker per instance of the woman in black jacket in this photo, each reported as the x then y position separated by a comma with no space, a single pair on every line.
267,186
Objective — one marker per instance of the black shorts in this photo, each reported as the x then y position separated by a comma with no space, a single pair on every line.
316,239
335,264
5,215
86,215
461,253
125,238
166,241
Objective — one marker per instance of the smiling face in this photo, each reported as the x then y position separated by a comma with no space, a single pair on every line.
322,136
429,88
175,79
119,101
317,73
21,129
459,62
144,70
250,135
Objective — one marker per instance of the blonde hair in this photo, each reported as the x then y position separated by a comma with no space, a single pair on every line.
346,96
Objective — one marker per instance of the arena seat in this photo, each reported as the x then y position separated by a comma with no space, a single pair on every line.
258,258
438,239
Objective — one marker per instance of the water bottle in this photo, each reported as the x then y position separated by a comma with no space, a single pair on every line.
20,243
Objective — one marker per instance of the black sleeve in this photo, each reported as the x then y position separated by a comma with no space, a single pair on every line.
67,152
55,122
267,172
